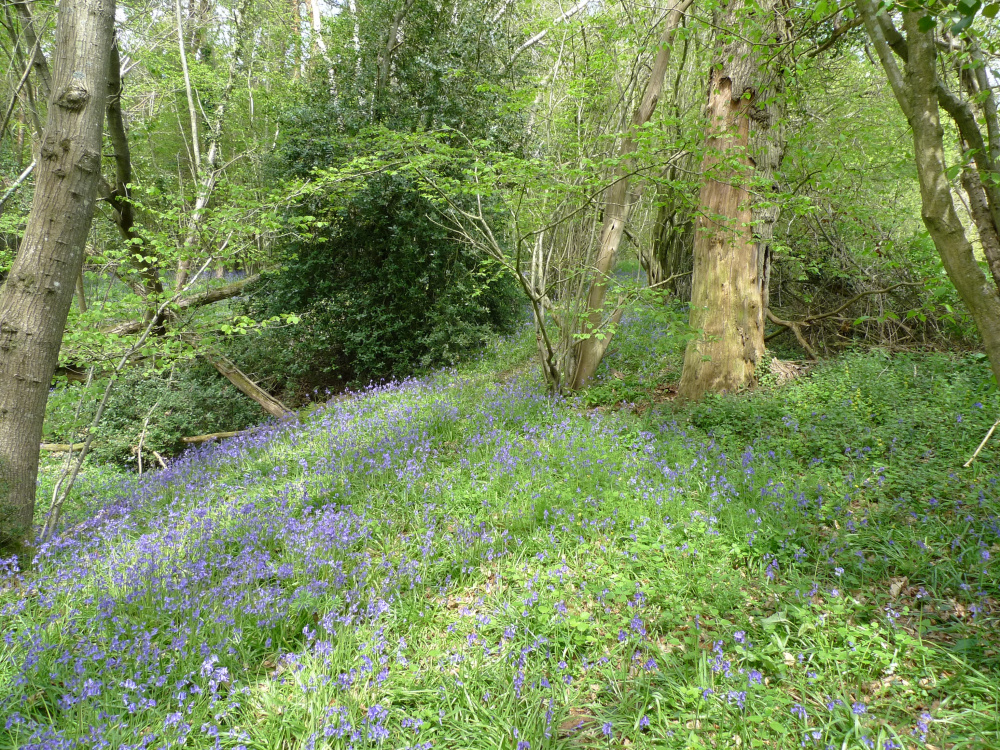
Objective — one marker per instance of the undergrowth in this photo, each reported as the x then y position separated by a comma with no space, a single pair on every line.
464,562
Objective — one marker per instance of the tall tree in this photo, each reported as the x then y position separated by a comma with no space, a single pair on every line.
921,93
36,297
617,208
735,224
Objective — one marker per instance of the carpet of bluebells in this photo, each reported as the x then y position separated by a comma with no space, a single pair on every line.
463,561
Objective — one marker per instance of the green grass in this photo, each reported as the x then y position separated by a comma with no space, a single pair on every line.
463,561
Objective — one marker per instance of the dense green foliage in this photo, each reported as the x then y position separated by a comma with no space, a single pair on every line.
151,409
442,550
383,290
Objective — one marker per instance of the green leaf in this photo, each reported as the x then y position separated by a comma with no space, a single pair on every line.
927,23
991,10
775,619
822,7
963,24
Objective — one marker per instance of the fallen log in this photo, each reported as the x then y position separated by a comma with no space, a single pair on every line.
195,300
194,439
237,377
62,447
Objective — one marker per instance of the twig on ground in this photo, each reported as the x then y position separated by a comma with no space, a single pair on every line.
986,439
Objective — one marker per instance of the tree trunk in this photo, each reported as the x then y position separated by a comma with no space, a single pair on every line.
391,43
617,207
209,170
39,62
120,195
35,300
920,94
668,262
983,219
981,297
734,227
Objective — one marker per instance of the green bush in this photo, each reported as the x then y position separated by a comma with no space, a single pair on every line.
195,400
383,290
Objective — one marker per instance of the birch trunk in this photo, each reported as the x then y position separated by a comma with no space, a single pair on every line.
35,299
209,170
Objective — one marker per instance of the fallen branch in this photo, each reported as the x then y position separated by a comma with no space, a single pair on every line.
856,298
62,447
237,377
982,444
189,303
194,439
796,328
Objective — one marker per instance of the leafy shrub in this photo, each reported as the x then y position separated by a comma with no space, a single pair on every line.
195,400
919,416
383,290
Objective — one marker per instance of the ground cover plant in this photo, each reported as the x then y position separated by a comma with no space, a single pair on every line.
463,561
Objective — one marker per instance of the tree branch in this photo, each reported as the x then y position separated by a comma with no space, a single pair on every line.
190,303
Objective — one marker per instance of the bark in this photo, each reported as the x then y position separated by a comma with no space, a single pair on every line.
120,196
980,211
81,295
920,94
564,16
617,208
392,42
668,262
981,297
35,299
317,28
208,176
38,61
13,100
194,439
61,447
192,112
989,104
735,227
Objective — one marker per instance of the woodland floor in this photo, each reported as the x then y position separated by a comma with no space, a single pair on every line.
461,561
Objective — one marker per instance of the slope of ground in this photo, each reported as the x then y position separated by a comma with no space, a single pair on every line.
464,562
